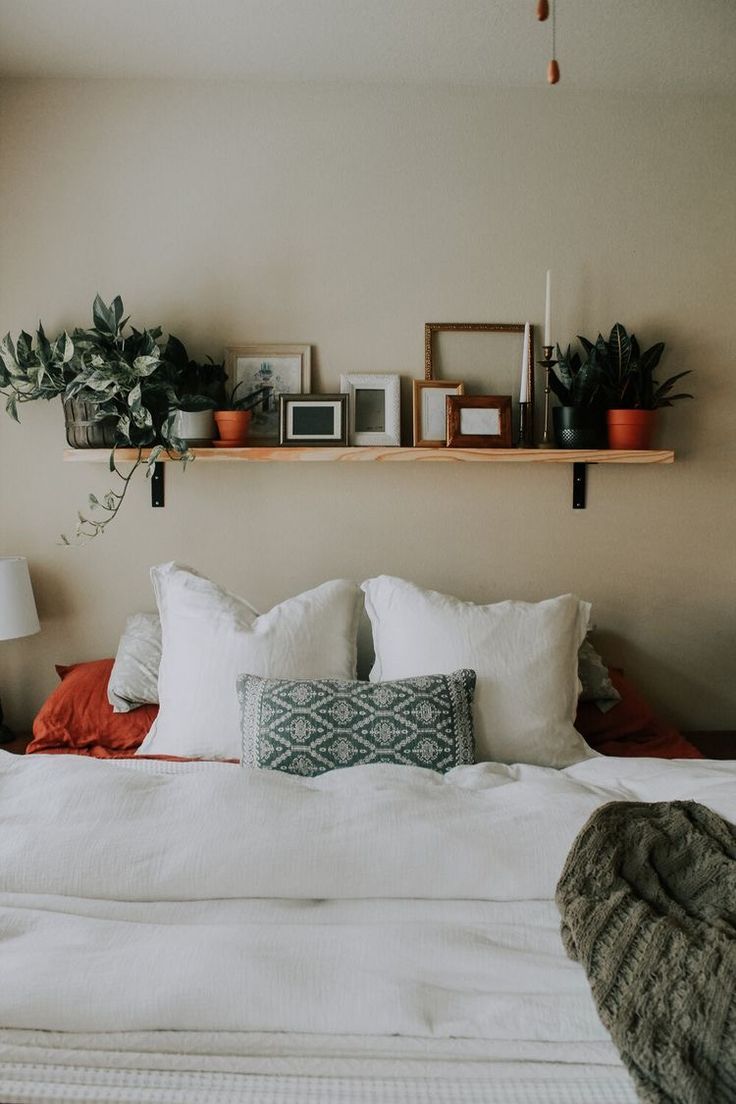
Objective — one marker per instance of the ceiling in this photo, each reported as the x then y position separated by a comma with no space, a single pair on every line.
652,45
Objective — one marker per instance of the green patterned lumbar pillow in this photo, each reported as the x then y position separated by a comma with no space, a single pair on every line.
307,727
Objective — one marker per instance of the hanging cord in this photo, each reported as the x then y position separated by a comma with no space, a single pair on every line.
553,69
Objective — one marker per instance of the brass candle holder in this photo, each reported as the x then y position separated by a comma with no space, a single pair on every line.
547,363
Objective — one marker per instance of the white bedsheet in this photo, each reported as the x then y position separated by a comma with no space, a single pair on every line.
240,935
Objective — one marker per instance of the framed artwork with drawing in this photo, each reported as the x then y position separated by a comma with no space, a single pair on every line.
280,369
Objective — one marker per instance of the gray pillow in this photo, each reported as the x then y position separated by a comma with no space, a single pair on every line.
595,680
306,727
134,676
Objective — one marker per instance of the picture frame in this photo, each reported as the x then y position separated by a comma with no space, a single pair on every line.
509,371
313,420
282,368
374,408
478,421
429,414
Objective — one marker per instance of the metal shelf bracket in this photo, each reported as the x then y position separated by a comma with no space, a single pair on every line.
157,484
579,485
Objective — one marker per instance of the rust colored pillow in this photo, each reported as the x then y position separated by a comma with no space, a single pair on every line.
631,727
78,719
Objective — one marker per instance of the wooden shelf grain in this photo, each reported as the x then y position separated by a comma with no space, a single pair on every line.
390,455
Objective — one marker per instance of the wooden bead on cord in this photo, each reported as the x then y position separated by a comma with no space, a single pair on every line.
542,10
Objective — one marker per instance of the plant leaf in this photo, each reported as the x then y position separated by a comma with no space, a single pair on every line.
67,349
103,317
651,357
175,352
620,346
558,388
146,365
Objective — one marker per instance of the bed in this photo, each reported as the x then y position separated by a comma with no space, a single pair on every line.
178,930
386,933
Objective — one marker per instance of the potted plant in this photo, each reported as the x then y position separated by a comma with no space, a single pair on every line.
580,420
234,415
199,389
117,391
633,395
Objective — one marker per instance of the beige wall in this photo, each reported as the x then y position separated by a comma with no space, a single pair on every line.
347,217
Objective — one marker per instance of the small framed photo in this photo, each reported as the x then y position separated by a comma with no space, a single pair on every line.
374,409
313,419
280,369
430,419
478,421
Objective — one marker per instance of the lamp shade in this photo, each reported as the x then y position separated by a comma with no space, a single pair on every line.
18,615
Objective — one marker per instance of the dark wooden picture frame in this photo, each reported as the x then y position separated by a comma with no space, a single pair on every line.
339,435
454,406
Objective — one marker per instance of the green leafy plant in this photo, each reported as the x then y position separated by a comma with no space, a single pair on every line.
129,377
39,369
197,386
577,382
627,373
231,400
121,375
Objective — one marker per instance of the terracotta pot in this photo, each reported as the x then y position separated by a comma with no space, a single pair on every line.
631,429
233,426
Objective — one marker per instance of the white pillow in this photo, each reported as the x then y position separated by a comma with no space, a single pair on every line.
524,654
210,636
134,675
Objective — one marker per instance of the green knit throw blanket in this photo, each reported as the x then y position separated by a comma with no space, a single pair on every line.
648,904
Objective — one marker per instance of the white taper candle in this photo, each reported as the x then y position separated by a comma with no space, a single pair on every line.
524,385
547,327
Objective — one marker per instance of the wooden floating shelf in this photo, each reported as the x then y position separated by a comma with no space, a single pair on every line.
578,458
390,455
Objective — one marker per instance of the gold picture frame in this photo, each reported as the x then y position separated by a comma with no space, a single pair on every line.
432,328
429,416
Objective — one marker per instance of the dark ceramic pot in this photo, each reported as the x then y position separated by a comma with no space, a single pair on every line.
579,427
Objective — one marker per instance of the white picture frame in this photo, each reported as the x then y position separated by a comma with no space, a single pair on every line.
286,369
374,408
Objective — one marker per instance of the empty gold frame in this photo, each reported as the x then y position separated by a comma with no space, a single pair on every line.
432,328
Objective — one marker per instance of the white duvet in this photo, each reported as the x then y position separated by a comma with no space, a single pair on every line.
374,902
